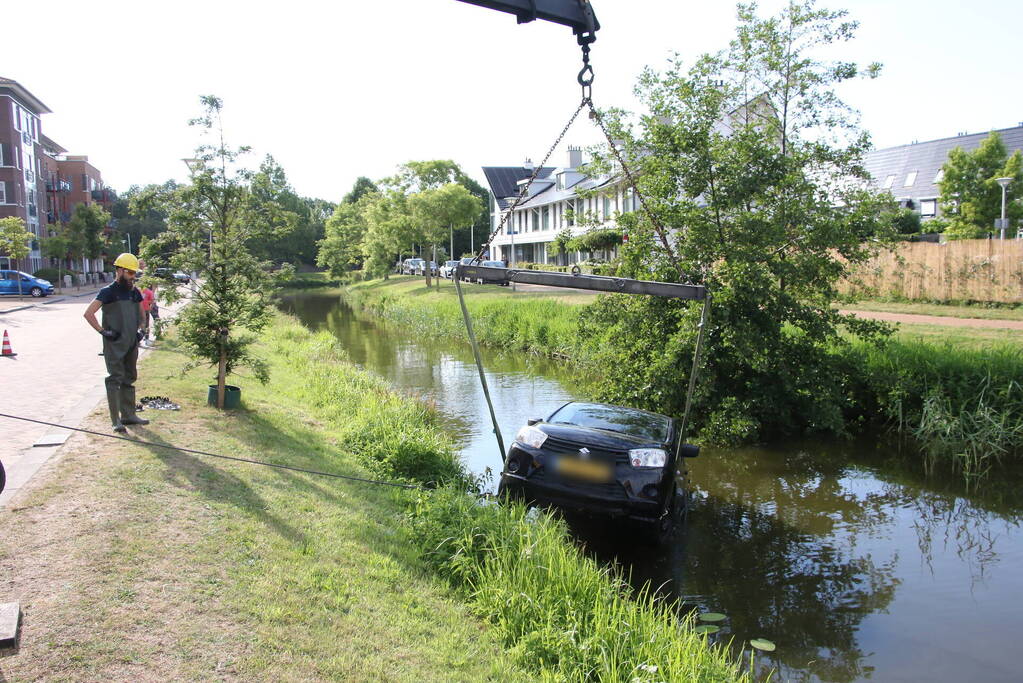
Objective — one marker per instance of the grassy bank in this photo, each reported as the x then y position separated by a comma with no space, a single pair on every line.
135,562
533,320
954,391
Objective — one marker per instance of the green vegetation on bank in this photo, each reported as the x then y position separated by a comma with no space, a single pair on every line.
960,403
331,579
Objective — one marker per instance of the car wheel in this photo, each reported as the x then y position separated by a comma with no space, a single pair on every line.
37,292
3,477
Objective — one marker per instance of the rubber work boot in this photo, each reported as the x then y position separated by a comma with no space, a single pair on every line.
128,416
114,404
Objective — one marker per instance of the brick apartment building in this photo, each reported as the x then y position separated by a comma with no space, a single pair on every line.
39,182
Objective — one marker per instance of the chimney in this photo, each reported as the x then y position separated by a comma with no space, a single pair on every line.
528,165
575,157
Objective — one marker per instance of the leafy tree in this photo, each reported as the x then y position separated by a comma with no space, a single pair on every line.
362,187
389,231
415,176
14,241
341,249
212,224
754,163
435,211
135,222
85,230
906,222
971,199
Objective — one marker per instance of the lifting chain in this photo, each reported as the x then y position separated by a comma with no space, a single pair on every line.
585,80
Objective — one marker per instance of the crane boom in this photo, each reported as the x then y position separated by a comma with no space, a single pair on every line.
576,14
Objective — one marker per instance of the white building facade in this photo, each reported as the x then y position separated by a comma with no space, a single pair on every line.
555,202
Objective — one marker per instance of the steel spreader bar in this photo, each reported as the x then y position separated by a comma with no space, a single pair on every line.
597,283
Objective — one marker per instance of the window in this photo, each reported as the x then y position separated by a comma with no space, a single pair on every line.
3,191
545,218
928,207
889,181
570,219
628,202
607,207
939,175
910,179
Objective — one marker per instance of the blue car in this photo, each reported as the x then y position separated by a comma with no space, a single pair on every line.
29,285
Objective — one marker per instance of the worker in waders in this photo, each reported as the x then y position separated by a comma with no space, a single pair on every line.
121,303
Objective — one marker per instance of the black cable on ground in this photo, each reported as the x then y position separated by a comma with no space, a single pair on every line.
217,455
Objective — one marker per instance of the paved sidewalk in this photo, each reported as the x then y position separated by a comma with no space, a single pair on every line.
57,376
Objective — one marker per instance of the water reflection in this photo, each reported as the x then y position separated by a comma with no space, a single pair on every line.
854,563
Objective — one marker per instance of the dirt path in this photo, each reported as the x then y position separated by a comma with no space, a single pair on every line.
946,321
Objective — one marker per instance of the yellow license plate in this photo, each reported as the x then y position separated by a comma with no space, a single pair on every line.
587,470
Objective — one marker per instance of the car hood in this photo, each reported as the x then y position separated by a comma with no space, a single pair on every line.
596,437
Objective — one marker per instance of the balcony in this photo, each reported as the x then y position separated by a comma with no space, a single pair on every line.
55,183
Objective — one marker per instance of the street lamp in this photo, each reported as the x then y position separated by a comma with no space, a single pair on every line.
1003,224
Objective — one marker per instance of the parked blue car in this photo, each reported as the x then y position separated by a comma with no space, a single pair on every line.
29,284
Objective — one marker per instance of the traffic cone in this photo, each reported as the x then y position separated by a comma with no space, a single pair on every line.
7,346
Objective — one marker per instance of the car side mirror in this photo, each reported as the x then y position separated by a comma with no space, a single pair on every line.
688,450
534,420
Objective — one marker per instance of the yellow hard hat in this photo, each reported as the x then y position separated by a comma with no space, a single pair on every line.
128,261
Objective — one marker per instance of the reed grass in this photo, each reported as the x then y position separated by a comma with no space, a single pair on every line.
564,617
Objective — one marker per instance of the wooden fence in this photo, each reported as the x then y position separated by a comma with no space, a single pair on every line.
975,270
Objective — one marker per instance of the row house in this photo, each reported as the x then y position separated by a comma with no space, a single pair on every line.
912,172
556,200
39,182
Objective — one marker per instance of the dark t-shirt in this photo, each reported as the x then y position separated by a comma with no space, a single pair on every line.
117,292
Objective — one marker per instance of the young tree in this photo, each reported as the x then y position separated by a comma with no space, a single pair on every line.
212,224
751,165
436,211
14,241
362,187
85,230
971,199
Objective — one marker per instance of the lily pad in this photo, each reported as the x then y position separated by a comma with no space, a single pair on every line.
761,644
706,628
712,616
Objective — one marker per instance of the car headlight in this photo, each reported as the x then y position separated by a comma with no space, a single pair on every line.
531,436
648,457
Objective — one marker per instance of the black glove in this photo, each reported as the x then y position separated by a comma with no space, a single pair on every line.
112,335
139,335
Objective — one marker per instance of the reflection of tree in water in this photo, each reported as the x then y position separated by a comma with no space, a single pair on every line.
775,581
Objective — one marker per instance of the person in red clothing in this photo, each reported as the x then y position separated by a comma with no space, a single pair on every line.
149,306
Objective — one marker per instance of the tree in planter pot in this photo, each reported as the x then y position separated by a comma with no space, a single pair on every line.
212,225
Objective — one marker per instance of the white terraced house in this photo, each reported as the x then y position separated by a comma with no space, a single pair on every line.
539,218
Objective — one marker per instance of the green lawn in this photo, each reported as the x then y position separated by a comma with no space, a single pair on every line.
159,565
953,311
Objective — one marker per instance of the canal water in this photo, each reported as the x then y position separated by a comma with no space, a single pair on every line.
856,565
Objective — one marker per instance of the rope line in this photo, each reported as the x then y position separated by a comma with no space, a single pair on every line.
217,455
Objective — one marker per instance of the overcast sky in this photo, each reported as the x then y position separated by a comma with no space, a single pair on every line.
335,90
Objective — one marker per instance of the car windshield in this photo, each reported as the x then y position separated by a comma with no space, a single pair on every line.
493,264
451,263
614,419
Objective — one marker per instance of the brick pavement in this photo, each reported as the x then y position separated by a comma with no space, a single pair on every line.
10,303
57,376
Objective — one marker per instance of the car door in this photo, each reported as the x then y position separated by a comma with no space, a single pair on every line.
7,285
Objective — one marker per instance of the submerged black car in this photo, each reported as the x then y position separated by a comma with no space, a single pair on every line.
605,460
